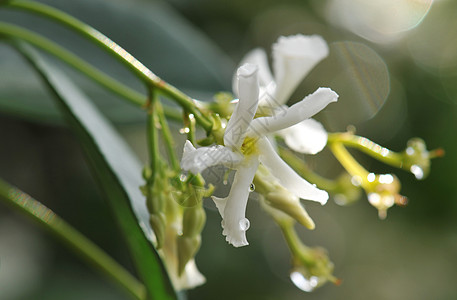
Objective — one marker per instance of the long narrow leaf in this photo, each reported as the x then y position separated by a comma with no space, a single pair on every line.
116,168
71,237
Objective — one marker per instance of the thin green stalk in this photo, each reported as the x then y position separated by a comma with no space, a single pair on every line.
118,52
293,241
365,145
104,80
189,122
72,238
108,82
303,170
169,142
349,163
153,134
172,113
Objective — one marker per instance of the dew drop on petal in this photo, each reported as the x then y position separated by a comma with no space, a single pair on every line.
417,171
251,187
303,283
244,224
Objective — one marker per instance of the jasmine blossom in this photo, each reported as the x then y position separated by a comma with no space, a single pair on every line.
246,146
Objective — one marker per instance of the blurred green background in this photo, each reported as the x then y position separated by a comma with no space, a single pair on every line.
393,63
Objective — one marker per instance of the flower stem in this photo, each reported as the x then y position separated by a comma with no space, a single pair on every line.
303,170
108,82
189,122
72,238
119,53
365,145
297,248
169,142
348,162
152,132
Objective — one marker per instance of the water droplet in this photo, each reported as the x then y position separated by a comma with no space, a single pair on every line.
410,151
184,130
225,182
244,224
417,171
340,199
374,199
183,177
191,116
356,180
314,185
303,283
251,188
384,152
371,177
386,179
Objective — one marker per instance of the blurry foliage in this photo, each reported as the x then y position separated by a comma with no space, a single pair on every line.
411,255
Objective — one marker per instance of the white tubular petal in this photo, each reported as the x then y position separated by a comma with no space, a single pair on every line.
267,100
190,278
287,177
256,57
259,57
248,88
293,58
233,207
197,160
283,118
308,136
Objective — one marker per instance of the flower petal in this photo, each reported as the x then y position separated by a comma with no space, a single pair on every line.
293,58
257,57
197,160
286,117
308,136
287,177
248,87
190,278
233,207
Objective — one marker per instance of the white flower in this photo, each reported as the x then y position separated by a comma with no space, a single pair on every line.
293,58
246,145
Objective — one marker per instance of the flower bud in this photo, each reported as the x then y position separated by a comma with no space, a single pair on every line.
383,192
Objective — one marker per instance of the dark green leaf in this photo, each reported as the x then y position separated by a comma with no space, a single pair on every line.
116,168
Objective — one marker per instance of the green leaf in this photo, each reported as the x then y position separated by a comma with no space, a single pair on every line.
151,31
71,237
115,167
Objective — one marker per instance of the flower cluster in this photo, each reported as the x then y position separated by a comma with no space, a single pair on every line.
246,144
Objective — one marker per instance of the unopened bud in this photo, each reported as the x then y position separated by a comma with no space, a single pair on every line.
187,248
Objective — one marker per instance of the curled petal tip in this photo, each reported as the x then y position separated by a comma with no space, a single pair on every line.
323,198
331,95
247,70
